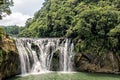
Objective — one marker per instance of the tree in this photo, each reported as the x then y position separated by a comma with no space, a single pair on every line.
12,30
28,22
5,7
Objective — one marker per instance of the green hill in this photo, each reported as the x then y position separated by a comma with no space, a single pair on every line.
94,25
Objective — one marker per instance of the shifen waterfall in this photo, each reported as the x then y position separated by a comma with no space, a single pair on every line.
40,55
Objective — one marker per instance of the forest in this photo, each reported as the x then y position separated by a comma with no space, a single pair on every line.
94,25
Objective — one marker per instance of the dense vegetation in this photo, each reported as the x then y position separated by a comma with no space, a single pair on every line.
94,25
2,33
13,30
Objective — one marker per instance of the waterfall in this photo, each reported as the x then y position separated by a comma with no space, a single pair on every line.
36,55
67,55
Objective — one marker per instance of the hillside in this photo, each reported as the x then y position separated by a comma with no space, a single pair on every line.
65,17
93,23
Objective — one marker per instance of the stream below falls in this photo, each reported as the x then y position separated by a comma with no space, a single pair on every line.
67,76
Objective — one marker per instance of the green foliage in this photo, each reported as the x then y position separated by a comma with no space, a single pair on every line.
1,32
5,7
27,33
51,19
12,30
96,23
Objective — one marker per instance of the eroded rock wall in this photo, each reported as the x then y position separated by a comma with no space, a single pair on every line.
106,63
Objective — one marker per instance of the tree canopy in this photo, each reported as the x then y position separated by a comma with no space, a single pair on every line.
94,23
5,7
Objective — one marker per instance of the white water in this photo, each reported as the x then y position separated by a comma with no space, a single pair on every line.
38,58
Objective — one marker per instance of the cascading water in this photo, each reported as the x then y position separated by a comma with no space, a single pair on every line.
66,56
36,54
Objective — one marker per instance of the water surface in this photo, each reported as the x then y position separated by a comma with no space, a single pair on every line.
68,76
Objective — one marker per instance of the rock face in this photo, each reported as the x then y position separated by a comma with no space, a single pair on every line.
9,58
107,63
55,61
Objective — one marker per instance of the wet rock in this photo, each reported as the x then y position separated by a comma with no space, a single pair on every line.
55,61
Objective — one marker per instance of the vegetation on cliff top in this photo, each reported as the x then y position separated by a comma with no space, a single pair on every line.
94,25
13,30
1,33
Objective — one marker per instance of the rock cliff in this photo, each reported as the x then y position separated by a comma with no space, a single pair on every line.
8,57
106,63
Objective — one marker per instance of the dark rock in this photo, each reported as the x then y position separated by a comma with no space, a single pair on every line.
55,61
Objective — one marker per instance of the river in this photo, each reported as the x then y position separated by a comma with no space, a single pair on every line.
68,76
